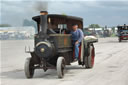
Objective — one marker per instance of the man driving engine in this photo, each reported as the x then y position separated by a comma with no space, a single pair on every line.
77,36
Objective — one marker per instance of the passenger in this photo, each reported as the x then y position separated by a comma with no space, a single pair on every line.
77,36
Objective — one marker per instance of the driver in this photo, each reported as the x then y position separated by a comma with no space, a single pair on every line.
77,36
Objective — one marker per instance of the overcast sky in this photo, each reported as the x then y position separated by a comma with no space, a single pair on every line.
110,12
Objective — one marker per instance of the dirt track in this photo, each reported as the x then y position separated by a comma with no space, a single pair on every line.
111,66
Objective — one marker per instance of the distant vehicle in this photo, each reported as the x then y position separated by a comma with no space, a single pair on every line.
106,33
88,32
53,45
122,32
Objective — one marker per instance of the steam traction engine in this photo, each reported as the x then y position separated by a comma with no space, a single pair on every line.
53,45
122,32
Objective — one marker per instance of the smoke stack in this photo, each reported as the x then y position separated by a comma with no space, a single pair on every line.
125,26
43,13
43,23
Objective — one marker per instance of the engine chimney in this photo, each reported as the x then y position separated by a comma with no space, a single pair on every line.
43,23
43,13
125,26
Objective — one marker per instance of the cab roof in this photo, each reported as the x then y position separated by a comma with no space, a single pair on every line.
37,18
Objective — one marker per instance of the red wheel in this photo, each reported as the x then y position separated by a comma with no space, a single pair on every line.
92,55
89,60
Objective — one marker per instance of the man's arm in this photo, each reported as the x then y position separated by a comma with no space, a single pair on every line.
81,35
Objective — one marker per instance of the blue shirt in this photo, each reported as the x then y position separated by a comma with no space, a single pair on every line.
77,35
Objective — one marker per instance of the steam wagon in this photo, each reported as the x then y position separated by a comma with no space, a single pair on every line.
122,32
53,45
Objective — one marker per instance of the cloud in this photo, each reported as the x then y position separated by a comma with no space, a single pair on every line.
99,12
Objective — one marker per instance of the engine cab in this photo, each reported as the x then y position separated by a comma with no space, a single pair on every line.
53,38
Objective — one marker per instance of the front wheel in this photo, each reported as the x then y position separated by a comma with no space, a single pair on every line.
60,67
89,61
29,68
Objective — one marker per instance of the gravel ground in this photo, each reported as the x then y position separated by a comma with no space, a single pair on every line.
111,66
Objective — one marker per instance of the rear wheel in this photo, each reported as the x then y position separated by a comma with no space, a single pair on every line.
119,40
60,67
89,61
29,68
